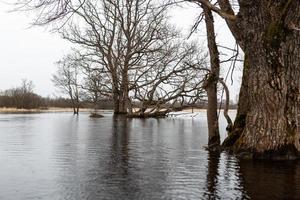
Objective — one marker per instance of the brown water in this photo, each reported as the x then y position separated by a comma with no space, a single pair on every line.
60,156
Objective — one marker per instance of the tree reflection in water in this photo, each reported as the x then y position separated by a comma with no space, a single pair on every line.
120,158
212,175
223,174
271,180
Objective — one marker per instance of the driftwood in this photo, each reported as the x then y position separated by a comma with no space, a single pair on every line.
95,115
157,114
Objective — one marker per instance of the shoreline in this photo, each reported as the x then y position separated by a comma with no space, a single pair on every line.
5,110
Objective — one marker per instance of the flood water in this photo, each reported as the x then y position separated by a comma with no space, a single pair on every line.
61,156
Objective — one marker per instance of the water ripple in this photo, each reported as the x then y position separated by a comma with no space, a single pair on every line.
59,156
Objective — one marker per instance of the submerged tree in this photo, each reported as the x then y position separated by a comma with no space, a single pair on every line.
168,77
212,80
67,79
121,33
268,33
96,84
133,41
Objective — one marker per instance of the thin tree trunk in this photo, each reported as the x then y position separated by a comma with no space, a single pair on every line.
74,110
77,109
212,81
73,105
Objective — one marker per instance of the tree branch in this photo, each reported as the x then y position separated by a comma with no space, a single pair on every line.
226,108
221,12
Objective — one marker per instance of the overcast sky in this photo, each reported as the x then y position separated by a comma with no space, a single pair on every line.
27,52
31,52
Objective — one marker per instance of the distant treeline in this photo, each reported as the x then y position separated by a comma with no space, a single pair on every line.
34,101
23,97
18,98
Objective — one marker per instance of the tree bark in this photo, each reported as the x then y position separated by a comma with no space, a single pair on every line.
124,92
117,92
120,98
211,83
271,47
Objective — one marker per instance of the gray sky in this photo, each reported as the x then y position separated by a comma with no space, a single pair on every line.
27,52
31,52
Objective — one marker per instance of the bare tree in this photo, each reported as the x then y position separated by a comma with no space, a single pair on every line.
212,80
96,79
21,97
110,29
174,75
67,79
50,11
130,39
267,31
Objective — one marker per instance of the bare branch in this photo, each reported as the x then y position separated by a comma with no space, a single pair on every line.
214,8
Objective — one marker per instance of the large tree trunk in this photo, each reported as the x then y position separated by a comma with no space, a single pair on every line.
120,91
116,100
120,98
271,46
212,81
124,93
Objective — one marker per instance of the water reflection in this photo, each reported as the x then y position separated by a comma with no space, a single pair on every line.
224,179
58,156
212,175
120,143
272,180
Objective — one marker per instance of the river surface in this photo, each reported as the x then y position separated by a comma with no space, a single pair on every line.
61,156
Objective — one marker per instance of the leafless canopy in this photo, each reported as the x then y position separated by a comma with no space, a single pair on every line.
67,79
128,50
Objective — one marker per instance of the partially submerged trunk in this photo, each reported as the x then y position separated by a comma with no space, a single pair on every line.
268,128
123,106
75,106
77,110
116,101
120,108
210,84
120,93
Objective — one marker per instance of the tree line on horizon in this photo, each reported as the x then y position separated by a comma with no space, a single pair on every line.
24,97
